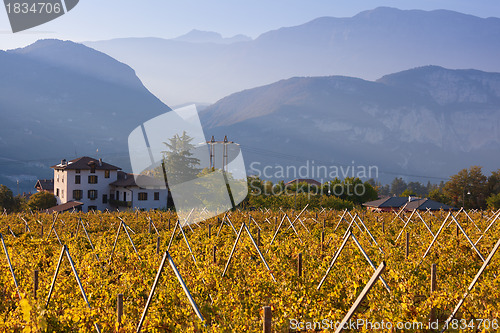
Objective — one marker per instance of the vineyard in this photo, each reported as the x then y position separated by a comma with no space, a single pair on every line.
103,255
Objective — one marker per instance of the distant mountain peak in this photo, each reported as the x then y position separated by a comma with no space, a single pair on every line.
199,36
80,59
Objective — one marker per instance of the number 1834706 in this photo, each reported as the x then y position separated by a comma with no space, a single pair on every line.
33,8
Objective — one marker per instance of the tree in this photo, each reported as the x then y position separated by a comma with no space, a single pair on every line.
6,199
179,164
42,200
384,190
468,181
417,188
494,182
494,201
351,189
439,196
408,193
398,186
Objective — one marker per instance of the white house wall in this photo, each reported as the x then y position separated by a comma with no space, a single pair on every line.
133,197
66,184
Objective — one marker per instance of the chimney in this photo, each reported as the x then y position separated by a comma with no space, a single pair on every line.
100,162
63,162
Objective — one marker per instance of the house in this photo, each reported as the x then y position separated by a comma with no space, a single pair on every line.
389,204
45,185
425,203
87,184
85,180
124,192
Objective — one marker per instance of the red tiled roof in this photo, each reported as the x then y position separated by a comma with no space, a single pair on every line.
84,163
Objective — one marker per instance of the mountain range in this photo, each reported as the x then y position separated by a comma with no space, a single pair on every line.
427,122
368,45
60,99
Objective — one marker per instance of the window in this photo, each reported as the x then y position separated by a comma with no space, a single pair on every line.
57,192
104,198
106,173
62,178
77,179
77,170
57,177
124,196
143,196
77,194
92,179
62,193
92,194
157,195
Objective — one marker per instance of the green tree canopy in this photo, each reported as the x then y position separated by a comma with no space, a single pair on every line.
398,186
439,196
468,181
408,193
42,200
178,161
6,199
494,201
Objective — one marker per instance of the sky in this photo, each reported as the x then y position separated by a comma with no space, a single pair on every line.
94,20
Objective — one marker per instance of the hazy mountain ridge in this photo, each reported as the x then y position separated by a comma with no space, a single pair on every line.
198,36
402,122
368,45
52,109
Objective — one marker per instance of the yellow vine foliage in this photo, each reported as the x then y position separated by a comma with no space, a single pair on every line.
234,303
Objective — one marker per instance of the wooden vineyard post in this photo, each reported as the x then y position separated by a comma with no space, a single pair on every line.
215,254
35,283
433,289
119,309
267,322
458,234
299,265
383,226
360,298
168,224
322,241
209,231
407,253
324,222
41,231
